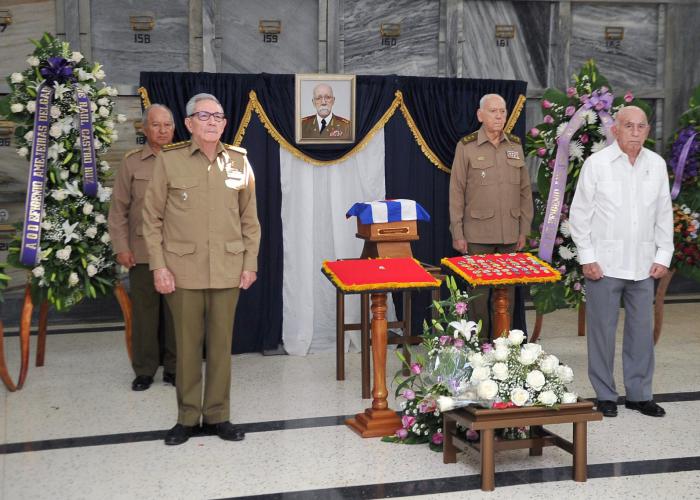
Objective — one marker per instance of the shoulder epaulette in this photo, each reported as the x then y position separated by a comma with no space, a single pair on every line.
132,152
176,145
341,119
513,137
236,148
469,138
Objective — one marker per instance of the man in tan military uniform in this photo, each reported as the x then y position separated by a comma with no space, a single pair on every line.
202,232
126,233
324,124
490,197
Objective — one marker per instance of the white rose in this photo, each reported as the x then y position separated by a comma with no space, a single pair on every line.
535,379
64,174
64,253
111,91
45,224
476,359
55,112
17,107
501,342
100,74
103,101
500,371
569,397
91,231
121,118
500,353
527,357
33,61
516,337
487,389
29,136
547,398
76,57
87,208
91,270
565,374
103,112
31,106
535,348
56,130
100,219
104,166
23,152
59,194
16,78
549,363
38,271
481,373
519,396
105,238
84,75
93,107
97,143
73,279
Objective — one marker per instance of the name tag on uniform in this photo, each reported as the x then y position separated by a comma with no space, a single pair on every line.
481,158
512,155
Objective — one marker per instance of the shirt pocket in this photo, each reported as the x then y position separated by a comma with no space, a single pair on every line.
179,256
609,254
233,259
610,192
483,173
649,193
140,185
182,193
515,170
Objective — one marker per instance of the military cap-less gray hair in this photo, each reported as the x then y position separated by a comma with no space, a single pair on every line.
147,112
189,109
482,101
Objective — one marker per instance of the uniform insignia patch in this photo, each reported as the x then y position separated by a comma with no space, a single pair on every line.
512,155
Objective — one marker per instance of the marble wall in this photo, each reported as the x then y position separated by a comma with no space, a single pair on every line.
413,52
124,53
241,48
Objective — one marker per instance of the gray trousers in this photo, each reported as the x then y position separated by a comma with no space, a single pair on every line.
602,313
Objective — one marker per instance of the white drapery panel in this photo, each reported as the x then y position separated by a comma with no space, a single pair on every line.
314,229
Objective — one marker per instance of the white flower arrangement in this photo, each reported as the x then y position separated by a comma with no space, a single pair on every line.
73,224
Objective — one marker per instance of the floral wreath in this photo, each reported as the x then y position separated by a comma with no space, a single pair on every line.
65,119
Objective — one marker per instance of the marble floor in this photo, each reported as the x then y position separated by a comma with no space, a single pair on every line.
76,430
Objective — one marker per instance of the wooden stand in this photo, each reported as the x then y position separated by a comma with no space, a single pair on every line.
581,324
488,420
378,420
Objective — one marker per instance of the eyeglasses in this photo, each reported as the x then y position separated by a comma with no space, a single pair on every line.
205,115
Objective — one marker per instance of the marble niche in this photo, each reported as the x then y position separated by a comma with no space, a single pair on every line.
124,52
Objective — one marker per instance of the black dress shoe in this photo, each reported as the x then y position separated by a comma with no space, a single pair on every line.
225,430
141,383
607,408
648,408
179,434
169,378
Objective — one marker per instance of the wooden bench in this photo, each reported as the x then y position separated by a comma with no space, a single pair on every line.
488,420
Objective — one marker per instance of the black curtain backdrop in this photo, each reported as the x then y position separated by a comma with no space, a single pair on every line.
444,110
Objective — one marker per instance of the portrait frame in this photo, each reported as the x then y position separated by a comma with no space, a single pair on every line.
341,130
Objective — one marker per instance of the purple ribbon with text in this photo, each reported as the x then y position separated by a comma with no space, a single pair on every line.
87,145
36,183
680,166
600,101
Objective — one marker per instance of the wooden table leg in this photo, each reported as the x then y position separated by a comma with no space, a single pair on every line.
488,464
406,331
536,449
25,327
449,450
41,335
580,452
364,344
339,335
501,317
538,328
379,420
582,320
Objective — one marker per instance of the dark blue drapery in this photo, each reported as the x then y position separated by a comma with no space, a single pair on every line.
444,110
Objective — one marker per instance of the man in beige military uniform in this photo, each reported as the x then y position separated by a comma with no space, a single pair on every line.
126,233
202,232
490,197
324,124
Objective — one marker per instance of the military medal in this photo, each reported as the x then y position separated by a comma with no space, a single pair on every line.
512,155
184,196
483,174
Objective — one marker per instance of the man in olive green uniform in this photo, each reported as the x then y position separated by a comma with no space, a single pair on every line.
490,197
324,124
126,233
202,232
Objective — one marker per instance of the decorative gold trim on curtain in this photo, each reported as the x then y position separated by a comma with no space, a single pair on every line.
513,119
429,153
145,100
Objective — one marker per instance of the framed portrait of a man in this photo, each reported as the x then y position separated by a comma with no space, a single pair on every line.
325,109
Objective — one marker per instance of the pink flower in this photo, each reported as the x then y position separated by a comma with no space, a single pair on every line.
437,438
409,394
570,92
548,119
550,164
416,368
585,138
541,151
408,421
534,132
486,347
444,339
427,406
599,106
559,240
534,243
401,433
546,104
577,286
569,111
629,97
472,435
458,343
461,308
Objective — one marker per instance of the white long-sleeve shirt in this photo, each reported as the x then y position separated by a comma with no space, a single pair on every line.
621,216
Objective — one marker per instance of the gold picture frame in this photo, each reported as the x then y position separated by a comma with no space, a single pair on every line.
318,96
